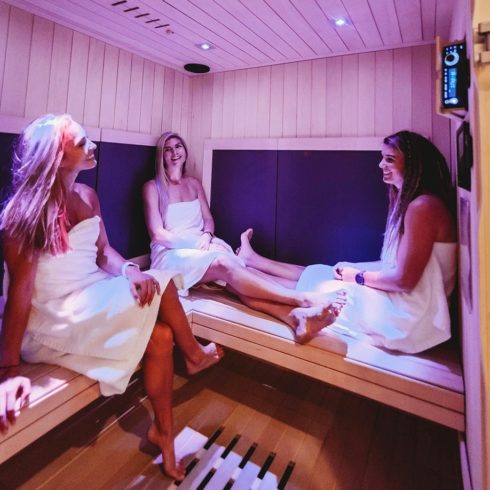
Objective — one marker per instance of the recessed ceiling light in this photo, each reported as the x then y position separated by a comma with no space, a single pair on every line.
205,46
340,21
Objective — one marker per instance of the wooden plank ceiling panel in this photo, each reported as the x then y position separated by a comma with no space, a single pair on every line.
410,20
387,21
334,9
362,18
249,33
318,21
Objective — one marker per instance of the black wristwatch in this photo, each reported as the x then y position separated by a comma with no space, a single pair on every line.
360,278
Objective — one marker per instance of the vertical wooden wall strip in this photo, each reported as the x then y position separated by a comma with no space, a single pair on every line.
318,100
350,95
228,104
304,98
422,105
77,81
334,96
135,88
402,89
4,27
289,128
147,96
93,89
122,90
277,101
251,99
195,148
60,60
263,101
217,108
383,122
177,102
186,107
16,68
168,99
158,88
366,94
239,104
109,87
39,67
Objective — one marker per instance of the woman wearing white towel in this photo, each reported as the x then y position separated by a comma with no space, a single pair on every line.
72,299
181,229
400,302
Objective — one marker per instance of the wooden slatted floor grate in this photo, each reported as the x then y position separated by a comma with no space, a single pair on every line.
214,466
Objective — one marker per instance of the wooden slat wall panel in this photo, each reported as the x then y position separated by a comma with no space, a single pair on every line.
39,67
12,101
367,94
77,84
60,61
46,67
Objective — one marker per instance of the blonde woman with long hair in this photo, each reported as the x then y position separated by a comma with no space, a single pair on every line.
72,299
181,229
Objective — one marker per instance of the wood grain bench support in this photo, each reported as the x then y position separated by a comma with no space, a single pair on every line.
429,385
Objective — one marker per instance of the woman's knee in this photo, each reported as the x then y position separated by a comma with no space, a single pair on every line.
223,265
161,340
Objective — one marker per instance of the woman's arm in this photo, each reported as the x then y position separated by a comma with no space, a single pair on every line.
154,221
208,221
421,227
142,286
22,268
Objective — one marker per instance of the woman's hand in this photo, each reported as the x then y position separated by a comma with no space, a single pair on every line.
12,388
143,286
203,241
345,273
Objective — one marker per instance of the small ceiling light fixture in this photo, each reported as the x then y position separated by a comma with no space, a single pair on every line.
340,21
204,46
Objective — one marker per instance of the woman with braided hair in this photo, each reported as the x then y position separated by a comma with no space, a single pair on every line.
400,301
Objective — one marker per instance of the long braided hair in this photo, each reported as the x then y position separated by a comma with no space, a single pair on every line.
161,177
35,213
426,172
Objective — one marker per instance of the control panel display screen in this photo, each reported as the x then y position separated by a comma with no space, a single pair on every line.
454,88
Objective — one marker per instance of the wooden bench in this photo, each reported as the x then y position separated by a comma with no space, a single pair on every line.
429,385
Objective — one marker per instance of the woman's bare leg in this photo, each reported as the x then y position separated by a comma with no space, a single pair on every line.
264,264
287,283
197,356
158,378
247,283
305,322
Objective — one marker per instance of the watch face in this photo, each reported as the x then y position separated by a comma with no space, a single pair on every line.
360,278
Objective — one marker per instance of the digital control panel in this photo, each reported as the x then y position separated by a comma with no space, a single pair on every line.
454,90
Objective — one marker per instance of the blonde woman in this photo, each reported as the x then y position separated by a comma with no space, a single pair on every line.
181,229
72,299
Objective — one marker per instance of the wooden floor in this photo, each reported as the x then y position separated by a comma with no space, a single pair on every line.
286,430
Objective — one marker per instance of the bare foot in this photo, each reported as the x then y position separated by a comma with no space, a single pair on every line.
245,250
210,354
324,298
172,468
309,321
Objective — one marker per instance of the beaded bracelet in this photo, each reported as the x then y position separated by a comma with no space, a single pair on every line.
124,268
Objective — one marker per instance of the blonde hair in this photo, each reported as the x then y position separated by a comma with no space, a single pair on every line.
161,177
35,214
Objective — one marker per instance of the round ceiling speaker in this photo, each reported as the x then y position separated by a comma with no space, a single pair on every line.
196,68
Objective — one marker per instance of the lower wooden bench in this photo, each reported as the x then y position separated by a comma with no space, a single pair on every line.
429,385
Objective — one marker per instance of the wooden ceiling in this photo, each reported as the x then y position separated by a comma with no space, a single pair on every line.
249,33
